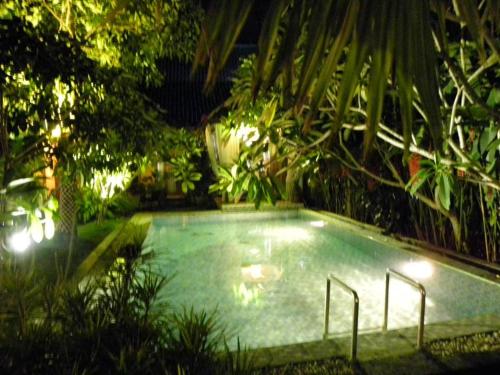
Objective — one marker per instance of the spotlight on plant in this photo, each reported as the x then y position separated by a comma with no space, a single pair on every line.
19,241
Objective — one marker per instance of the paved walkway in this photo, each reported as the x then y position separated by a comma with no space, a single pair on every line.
393,352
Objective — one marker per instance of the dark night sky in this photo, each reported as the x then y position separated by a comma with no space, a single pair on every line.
250,33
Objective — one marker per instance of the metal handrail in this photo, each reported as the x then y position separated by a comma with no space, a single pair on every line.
354,339
420,287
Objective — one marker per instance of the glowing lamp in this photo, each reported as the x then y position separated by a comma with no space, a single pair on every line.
418,270
56,132
318,224
19,241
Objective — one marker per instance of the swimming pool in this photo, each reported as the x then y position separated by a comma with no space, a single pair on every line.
265,273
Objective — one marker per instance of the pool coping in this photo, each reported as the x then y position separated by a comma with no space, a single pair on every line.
416,244
371,345
446,257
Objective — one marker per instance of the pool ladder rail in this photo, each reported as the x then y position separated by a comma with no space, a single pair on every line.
355,314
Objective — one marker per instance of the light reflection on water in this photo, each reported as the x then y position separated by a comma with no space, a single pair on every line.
267,278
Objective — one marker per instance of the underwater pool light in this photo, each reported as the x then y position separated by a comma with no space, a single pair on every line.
418,270
318,224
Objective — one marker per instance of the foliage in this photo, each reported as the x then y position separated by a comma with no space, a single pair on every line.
185,172
112,324
79,68
194,341
92,207
322,31
350,143
185,151
104,195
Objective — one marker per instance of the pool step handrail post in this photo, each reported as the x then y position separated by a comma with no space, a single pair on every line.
355,313
415,284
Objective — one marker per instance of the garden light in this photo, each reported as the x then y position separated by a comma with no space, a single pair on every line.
56,132
19,241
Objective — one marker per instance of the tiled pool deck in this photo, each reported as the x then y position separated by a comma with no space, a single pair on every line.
372,346
375,345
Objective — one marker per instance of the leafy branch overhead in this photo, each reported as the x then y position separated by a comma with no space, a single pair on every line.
395,39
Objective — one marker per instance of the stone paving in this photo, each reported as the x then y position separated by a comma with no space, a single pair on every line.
379,352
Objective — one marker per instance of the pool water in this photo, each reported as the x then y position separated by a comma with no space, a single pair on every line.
265,274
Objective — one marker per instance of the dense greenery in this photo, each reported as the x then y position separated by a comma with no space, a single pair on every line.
112,324
386,111
346,104
72,76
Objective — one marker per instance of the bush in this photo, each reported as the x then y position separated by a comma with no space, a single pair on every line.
110,325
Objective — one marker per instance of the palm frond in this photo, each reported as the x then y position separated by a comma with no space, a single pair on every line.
315,45
425,73
404,67
347,19
267,39
384,35
220,31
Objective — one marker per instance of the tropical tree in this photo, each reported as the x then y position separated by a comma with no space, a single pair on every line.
78,68
413,77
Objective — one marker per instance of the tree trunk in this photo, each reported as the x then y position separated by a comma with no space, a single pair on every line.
67,228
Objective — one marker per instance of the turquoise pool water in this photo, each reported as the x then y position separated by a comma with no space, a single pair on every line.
265,273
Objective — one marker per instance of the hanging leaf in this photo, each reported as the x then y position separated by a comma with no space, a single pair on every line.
266,44
443,190
356,58
424,73
318,25
404,68
286,50
330,64
219,34
384,35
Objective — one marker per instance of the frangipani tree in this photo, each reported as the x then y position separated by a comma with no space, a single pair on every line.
411,77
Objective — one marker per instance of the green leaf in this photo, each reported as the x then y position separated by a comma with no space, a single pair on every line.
384,35
487,136
286,50
424,72
404,68
357,54
492,149
491,165
315,44
444,191
267,40
494,97
196,176
329,66
418,180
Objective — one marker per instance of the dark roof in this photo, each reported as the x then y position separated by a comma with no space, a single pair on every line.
181,95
